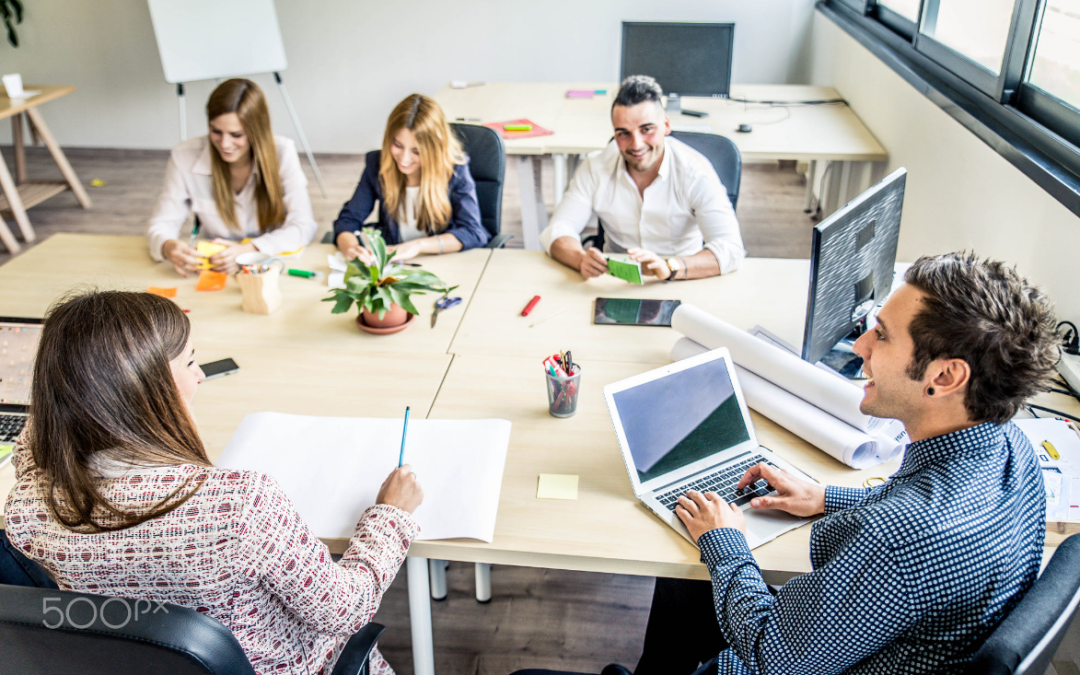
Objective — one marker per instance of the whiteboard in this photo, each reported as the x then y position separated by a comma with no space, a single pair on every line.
209,39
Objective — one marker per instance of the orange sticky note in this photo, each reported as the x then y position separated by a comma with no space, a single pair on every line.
163,292
211,281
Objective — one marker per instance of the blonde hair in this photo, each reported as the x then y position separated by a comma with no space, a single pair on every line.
244,98
440,151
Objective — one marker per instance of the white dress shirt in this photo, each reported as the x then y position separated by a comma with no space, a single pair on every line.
189,186
684,210
408,227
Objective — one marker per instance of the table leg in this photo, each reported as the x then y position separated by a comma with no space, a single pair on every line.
438,579
811,174
58,157
423,644
483,582
11,191
559,159
17,138
533,210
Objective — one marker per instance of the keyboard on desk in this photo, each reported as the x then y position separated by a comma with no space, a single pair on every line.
10,427
723,482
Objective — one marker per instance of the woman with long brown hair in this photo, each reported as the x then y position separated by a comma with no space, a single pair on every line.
427,197
241,181
115,495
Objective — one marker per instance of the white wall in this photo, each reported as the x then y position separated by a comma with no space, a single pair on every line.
350,61
960,193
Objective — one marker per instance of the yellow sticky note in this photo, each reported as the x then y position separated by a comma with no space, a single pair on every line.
207,249
557,486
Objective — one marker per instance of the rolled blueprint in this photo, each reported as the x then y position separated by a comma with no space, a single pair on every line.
836,438
832,394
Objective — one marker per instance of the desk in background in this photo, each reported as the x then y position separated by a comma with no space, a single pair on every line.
810,133
21,193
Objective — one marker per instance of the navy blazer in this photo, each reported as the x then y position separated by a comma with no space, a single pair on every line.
464,218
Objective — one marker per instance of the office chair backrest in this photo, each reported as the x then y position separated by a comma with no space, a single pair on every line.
487,164
1025,641
44,632
722,154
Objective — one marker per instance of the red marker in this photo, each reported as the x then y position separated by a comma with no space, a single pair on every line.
529,307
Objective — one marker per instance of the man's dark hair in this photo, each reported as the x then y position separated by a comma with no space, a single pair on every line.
988,315
638,89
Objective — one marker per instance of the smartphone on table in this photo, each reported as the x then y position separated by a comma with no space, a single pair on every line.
631,312
219,368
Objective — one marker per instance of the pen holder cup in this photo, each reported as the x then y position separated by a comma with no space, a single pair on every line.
563,393
261,294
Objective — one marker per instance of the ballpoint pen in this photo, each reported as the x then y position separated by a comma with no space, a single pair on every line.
194,233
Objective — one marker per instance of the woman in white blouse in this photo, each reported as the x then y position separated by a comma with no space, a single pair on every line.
240,180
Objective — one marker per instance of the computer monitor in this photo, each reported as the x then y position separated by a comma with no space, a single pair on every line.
851,264
688,59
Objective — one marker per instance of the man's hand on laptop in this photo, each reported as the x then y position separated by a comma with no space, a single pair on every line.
704,512
797,497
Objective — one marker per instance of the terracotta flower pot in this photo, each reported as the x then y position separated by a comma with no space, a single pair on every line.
394,317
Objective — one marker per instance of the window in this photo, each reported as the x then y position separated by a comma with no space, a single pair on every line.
1055,68
977,29
908,9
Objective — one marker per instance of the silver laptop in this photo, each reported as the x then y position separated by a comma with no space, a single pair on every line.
686,426
18,346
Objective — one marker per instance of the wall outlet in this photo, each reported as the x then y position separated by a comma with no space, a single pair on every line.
1069,367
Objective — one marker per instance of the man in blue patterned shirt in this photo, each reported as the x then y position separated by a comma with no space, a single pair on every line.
910,576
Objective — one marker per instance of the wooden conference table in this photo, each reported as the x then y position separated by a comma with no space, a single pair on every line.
481,360
21,193
810,133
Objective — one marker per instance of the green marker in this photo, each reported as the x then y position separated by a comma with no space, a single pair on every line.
517,127
302,273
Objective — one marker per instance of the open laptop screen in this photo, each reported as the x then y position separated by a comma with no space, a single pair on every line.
18,345
681,418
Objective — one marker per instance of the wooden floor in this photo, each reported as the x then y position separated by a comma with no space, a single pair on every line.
770,199
537,618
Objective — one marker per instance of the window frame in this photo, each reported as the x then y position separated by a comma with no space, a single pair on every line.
1035,131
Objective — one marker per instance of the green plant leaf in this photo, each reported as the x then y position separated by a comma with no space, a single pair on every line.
344,302
378,248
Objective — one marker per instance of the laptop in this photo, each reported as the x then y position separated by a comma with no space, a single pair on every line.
18,346
686,426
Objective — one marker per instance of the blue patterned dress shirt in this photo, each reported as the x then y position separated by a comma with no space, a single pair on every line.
909,577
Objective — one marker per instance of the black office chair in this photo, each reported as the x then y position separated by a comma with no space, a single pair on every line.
721,153
1026,640
44,632
487,164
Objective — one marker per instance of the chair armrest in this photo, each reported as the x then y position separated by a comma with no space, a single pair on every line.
328,238
499,240
354,658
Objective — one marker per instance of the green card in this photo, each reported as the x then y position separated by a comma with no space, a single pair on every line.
625,270
5,450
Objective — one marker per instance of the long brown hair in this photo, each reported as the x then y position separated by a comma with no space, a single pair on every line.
244,98
440,151
103,390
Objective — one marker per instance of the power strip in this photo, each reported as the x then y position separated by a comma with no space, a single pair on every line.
1069,367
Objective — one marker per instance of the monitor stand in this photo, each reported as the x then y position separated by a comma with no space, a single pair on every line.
674,107
842,357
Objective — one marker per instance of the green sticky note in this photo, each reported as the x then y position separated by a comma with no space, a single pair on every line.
625,270
557,486
5,450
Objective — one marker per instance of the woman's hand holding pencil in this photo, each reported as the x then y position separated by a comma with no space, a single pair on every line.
401,489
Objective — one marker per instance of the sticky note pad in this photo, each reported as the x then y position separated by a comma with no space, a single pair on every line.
162,291
556,486
206,249
7,448
211,281
625,270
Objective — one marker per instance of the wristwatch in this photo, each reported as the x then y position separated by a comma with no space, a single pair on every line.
673,265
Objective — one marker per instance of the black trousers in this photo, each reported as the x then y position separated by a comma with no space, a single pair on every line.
18,570
683,631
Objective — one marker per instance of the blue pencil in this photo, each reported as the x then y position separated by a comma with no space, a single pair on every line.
404,430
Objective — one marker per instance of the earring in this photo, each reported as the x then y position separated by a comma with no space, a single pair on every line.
930,391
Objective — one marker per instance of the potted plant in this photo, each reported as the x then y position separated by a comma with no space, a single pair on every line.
382,291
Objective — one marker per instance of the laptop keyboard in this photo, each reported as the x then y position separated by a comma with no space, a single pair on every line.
723,483
10,427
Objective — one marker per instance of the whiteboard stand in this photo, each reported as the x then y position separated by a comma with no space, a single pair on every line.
292,114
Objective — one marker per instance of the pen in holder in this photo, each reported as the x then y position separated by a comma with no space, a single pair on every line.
258,279
562,390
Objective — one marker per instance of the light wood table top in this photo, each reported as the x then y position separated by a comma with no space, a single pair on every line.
14,106
801,132
765,291
34,280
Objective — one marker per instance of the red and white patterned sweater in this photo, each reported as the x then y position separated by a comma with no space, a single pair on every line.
236,551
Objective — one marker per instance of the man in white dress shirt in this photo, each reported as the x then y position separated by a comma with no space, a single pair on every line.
660,200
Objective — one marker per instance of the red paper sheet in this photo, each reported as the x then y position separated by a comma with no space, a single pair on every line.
537,130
